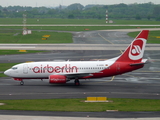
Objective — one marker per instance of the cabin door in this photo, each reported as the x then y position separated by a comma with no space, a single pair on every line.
25,69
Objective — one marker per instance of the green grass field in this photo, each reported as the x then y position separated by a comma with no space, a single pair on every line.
15,36
74,21
77,105
154,36
11,52
72,28
50,21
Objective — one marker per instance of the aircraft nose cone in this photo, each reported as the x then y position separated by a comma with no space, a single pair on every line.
7,72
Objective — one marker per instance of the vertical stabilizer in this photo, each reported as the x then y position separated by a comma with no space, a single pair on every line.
135,50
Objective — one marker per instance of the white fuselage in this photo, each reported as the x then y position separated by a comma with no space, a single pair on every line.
44,69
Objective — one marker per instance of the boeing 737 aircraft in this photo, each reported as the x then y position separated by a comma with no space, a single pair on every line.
61,72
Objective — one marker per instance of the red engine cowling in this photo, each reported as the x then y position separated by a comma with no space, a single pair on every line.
17,79
57,79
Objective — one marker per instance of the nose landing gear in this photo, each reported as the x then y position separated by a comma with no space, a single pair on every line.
19,79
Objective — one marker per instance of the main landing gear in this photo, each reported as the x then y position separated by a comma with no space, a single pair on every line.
22,83
77,82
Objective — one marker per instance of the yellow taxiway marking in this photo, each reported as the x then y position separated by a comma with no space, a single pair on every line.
112,79
108,41
103,81
105,38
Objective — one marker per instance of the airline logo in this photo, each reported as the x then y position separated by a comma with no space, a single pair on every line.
67,68
137,49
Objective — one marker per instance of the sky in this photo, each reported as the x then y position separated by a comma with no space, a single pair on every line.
53,3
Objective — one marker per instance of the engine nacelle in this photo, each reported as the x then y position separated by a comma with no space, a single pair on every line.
17,79
59,79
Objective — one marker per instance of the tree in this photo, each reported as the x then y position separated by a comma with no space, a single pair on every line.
119,11
138,17
156,11
75,6
149,17
52,12
158,18
71,16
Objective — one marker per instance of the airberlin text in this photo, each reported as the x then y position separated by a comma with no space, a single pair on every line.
55,69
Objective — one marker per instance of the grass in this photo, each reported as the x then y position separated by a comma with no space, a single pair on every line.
14,36
137,22
12,52
83,28
74,21
50,21
152,36
73,28
76,105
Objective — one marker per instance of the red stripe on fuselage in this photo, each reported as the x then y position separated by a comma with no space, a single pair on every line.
115,69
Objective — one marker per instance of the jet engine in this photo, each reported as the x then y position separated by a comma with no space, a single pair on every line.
60,79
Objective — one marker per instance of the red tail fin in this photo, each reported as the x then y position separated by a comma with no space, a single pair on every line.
135,50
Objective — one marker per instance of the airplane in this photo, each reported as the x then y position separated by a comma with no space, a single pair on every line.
63,71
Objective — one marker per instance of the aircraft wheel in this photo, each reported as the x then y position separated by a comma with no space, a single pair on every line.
21,83
77,82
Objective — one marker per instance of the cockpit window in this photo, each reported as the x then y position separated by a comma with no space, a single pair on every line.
14,68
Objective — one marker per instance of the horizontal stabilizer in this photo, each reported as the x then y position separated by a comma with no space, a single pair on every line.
144,61
136,64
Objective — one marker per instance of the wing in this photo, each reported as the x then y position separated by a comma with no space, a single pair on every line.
80,75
